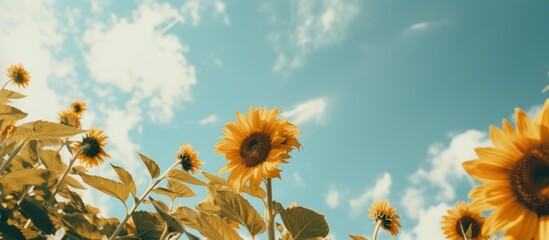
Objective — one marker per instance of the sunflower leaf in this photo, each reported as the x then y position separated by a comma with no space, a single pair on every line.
126,178
6,94
173,224
303,223
238,209
149,225
215,228
81,226
11,113
260,193
182,176
39,216
52,160
107,186
153,168
49,130
28,176
182,190
357,237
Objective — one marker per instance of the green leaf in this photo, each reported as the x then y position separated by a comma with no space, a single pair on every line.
52,160
6,94
149,225
153,168
215,228
126,178
173,224
180,175
73,182
235,207
11,113
10,232
81,226
182,190
357,237
28,176
107,186
49,130
39,216
260,193
303,223
187,216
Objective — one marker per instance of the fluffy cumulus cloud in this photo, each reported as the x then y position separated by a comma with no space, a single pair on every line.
312,110
380,190
208,120
154,68
31,36
314,25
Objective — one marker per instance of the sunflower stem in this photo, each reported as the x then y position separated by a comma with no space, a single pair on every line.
376,230
6,84
270,216
12,156
136,204
62,180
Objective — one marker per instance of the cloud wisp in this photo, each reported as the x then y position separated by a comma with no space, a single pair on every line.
312,110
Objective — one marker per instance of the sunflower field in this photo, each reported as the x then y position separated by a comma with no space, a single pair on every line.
40,200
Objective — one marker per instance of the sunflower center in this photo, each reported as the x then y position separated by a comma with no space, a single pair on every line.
468,222
77,108
530,181
94,149
186,162
18,77
255,149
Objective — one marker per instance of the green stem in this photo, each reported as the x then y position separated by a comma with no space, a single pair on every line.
270,216
62,180
5,84
129,214
376,230
12,156
164,233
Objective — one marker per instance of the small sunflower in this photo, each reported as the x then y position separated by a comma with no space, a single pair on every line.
515,178
18,75
254,146
290,138
69,118
189,158
459,219
381,211
8,129
78,107
94,154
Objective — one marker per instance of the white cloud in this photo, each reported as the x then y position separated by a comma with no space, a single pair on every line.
420,26
379,191
192,8
209,120
412,201
96,6
298,180
315,24
424,26
158,73
429,226
304,112
445,163
31,36
332,199
220,9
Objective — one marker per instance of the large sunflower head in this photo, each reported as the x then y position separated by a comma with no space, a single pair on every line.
189,158
462,218
69,118
253,146
515,178
381,211
18,75
78,108
95,153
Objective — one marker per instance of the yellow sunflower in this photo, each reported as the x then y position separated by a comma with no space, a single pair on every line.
189,158
18,75
463,216
381,211
290,138
78,107
69,118
254,147
515,178
94,154
8,128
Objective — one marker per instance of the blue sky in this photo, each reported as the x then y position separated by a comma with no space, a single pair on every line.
391,96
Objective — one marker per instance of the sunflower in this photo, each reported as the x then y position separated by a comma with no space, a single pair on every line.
515,178
8,128
189,158
78,107
290,138
254,147
18,75
460,219
381,211
94,154
69,118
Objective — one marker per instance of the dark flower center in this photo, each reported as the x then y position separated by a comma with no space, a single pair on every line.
386,221
467,222
94,149
255,149
186,162
77,108
530,181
